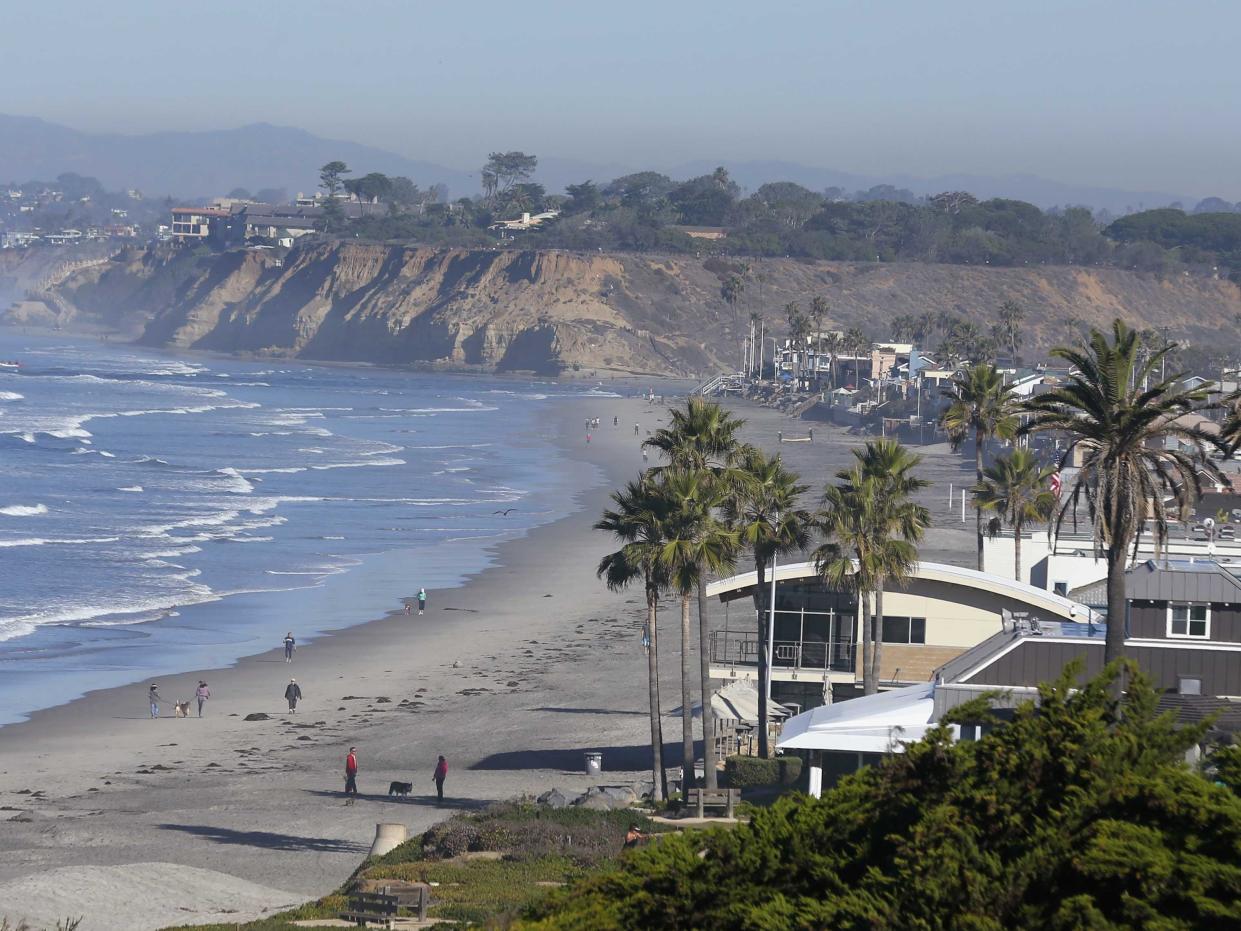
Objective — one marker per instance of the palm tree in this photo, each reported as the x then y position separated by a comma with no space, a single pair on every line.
832,344
871,527
799,329
695,543
702,439
762,508
1017,490
855,342
818,311
1127,476
984,407
638,521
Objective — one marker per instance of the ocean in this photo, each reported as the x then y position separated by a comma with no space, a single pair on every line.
164,513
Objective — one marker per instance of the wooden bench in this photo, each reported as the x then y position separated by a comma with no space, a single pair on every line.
383,907
701,799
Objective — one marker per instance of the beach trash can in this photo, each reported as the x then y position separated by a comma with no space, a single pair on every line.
387,838
594,764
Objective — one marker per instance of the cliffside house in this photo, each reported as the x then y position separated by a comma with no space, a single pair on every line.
194,224
525,222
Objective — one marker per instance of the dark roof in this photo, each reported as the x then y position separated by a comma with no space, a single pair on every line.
1182,580
1192,709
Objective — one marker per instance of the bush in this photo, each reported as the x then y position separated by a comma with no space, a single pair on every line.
748,772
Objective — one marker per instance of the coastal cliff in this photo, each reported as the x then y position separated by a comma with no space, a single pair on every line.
551,311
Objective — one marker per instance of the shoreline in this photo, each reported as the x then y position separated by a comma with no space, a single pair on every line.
248,800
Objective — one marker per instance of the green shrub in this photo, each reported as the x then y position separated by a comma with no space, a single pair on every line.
748,772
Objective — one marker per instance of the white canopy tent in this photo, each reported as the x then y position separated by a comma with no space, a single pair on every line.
880,723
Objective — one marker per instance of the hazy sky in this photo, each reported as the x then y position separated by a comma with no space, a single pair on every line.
1126,93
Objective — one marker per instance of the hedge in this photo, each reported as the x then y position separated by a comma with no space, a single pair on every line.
746,772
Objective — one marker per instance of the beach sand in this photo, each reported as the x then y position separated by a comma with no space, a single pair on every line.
139,824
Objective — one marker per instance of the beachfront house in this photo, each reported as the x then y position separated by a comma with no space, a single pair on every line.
939,613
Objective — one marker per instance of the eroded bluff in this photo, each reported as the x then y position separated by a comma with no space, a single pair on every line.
502,310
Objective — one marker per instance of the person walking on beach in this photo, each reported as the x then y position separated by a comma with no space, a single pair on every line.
293,694
351,775
202,693
289,646
441,773
422,600
155,698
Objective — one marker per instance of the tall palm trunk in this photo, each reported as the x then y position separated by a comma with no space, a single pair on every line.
687,698
876,656
1017,550
704,664
978,438
1114,647
652,670
760,601
869,686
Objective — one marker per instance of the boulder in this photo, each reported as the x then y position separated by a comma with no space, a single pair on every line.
554,798
607,798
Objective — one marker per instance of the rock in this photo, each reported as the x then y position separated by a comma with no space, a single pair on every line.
257,716
607,798
554,798
382,700
644,788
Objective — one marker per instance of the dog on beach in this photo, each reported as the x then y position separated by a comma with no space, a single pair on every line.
182,709
400,788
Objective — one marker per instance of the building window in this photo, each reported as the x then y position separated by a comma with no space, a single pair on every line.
904,629
1189,620
1061,589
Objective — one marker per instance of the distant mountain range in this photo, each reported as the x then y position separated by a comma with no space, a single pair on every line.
213,162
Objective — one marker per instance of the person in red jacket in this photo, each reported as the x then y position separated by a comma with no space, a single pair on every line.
441,773
351,775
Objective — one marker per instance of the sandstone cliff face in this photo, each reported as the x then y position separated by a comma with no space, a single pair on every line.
551,311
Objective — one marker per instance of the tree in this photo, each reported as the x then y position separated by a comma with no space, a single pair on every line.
763,508
239,193
818,313
1079,813
504,170
330,177
982,407
696,544
583,197
871,526
1017,490
799,329
856,343
1128,475
638,521
701,439
1011,314
731,290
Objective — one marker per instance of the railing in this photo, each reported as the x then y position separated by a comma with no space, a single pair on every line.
720,384
728,649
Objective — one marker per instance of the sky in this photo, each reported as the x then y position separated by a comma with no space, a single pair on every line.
1120,93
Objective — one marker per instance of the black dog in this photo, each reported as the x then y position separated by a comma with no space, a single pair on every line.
400,788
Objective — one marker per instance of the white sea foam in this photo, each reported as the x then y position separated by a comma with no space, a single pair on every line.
10,396
24,510
356,465
133,488
11,542
238,484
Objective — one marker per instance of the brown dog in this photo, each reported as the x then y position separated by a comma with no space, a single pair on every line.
182,709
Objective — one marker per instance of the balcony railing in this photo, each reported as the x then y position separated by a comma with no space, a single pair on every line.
730,649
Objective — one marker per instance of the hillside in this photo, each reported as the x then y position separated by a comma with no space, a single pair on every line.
553,311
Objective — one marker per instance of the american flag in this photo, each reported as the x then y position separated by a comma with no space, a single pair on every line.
1055,483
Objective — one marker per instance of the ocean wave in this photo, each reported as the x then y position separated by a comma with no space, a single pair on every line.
11,542
10,396
133,488
358,465
23,510
288,471
238,485
455,446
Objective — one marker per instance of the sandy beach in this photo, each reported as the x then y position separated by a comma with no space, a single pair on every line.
138,824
